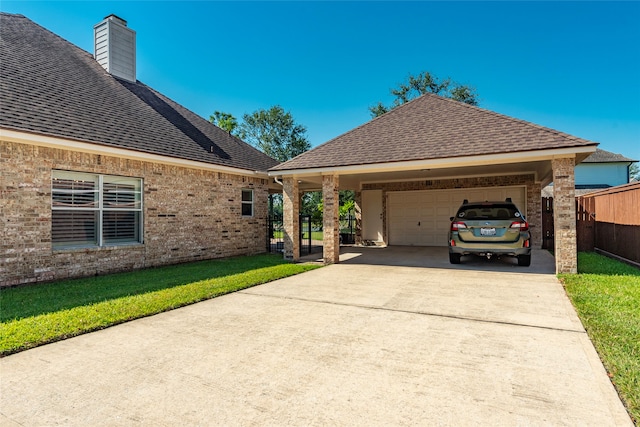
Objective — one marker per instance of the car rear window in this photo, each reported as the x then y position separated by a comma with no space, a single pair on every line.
492,211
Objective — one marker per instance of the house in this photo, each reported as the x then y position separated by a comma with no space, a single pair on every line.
101,173
413,166
602,169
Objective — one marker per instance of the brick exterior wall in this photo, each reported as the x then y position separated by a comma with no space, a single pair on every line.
331,223
564,215
189,214
533,209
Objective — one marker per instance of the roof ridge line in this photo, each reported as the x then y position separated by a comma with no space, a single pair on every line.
512,119
400,107
19,15
355,128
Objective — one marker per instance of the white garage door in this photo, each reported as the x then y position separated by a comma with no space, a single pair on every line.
421,218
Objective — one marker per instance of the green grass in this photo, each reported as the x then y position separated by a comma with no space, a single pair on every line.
48,312
606,294
315,235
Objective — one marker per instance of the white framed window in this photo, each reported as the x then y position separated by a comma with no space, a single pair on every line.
95,210
247,202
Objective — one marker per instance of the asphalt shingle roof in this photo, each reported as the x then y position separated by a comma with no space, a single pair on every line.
432,127
602,156
52,87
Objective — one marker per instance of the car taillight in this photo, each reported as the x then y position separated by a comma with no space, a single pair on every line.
523,226
457,225
526,244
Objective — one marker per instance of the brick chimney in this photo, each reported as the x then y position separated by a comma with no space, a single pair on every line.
115,47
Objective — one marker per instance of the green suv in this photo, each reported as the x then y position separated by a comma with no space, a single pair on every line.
489,229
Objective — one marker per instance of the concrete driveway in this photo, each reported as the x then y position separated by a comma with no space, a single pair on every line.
392,336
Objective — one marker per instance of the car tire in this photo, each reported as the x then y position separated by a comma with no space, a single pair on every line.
454,258
524,260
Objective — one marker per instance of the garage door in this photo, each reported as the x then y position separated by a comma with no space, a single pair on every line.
421,218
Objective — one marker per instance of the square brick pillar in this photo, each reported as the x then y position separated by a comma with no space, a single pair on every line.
534,213
564,215
358,215
290,218
330,219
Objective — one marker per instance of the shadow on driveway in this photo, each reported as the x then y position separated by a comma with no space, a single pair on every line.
542,262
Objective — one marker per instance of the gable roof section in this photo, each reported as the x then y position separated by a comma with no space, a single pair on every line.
51,87
602,156
431,127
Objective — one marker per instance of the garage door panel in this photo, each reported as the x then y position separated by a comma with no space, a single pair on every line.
443,198
427,212
494,194
421,218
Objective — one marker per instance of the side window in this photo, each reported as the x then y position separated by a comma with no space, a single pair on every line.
247,202
95,210
75,203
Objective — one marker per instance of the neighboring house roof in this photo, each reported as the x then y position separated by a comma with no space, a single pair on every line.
432,127
52,87
598,156
602,156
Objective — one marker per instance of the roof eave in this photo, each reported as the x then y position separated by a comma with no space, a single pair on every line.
579,153
31,138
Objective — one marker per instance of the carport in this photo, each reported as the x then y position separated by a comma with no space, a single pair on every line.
413,166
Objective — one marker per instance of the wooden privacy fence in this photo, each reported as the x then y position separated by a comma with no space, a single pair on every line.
609,221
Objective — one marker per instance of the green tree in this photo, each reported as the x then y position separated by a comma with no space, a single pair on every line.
275,133
425,82
224,121
634,172
311,204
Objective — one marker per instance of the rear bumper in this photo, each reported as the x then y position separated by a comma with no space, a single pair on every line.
484,248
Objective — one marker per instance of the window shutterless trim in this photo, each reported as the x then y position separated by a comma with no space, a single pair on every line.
117,203
247,204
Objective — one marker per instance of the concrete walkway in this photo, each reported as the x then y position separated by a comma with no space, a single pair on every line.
392,336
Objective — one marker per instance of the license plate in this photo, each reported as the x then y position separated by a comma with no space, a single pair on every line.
487,231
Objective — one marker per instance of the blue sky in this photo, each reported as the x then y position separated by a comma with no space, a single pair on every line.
572,66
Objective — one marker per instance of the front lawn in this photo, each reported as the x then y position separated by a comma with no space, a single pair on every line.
43,313
606,294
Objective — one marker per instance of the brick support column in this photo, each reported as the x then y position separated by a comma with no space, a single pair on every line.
358,214
290,217
534,213
330,219
564,215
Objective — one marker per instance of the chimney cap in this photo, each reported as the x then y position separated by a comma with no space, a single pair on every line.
114,16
